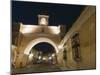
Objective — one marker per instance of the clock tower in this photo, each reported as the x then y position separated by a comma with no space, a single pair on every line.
43,20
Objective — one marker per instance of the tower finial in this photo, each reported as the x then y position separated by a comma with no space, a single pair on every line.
45,12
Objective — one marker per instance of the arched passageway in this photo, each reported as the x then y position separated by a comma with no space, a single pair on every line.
40,55
39,40
43,53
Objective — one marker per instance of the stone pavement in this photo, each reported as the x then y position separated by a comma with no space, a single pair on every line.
37,68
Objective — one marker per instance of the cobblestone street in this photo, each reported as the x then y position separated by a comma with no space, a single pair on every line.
37,68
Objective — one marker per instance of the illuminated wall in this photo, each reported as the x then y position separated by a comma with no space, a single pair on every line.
39,29
85,26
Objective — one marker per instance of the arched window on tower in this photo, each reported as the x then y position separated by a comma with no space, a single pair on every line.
76,47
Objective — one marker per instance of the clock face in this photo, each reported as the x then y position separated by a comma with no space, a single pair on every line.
43,21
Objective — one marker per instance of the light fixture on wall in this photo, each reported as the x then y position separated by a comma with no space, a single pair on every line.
31,56
60,46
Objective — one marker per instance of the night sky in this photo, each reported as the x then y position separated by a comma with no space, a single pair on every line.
26,12
45,47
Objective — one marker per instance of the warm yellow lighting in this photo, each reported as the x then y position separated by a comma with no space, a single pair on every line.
44,58
39,40
39,57
53,55
50,58
55,29
60,46
43,21
28,28
13,47
31,56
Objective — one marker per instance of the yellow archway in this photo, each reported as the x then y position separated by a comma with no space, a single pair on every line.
39,40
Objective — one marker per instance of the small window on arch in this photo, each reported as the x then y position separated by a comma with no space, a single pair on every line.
76,47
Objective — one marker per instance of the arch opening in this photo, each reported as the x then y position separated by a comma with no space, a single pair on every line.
44,47
43,53
39,40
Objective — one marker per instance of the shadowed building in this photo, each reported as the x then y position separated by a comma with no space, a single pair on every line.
80,41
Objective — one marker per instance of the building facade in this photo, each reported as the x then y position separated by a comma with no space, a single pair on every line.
74,50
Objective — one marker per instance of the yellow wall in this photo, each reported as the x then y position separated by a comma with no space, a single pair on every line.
85,26
87,36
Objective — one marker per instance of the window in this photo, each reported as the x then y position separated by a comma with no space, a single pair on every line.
76,47
64,54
